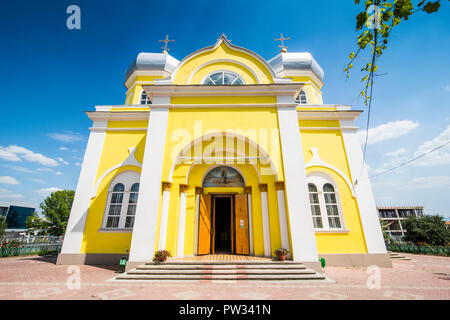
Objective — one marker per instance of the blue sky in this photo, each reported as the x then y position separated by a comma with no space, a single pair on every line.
50,75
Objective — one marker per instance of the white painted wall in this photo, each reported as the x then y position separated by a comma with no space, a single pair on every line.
144,231
77,219
364,195
304,246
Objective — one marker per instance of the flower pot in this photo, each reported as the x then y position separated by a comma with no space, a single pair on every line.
282,257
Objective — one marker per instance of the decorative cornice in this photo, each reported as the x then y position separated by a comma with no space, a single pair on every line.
166,186
279,185
198,190
263,187
184,188
210,90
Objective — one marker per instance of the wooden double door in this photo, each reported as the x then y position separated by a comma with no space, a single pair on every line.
223,224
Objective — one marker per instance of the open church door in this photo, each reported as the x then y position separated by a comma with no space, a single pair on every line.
204,225
241,224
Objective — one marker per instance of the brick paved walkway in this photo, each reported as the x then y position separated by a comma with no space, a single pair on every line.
34,277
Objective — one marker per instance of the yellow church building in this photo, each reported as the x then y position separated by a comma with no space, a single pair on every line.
224,152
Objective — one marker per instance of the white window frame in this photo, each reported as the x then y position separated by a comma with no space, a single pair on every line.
128,179
222,71
146,100
298,100
319,179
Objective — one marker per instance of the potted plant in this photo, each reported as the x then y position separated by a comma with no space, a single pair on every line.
281,253
161,256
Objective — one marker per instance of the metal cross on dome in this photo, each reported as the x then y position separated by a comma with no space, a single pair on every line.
166,41
282,46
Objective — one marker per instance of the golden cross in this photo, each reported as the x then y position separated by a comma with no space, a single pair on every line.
282,46
166,41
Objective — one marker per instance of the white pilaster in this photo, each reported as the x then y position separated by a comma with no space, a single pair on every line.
250,224
182,222
304,247
364,196
282,216
198,192
265,219
77,219
164,217
144,231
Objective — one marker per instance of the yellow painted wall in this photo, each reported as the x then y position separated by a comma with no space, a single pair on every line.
257,124
115,151
331,151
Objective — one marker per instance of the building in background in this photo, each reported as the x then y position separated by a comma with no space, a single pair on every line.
16,215
394,217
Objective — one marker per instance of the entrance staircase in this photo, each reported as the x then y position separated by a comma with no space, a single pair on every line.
222,270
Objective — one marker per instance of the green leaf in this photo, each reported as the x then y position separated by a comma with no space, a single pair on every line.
431,7
361,19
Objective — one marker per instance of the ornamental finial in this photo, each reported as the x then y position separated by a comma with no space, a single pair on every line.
166,41
282,46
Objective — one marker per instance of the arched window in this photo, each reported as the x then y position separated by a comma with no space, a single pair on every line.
324,200
144,98
302,98
131,211
223,78
223,176
315,205
121,202
115,206
331,205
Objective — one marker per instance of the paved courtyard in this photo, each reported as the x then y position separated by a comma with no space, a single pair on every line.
35,277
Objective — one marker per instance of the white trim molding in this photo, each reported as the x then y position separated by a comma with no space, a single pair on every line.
316,161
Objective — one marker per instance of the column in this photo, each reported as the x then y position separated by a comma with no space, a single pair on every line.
198,192
279,186
248,192
265,218
77,219
166,186
144,232
303,239
182,223
363,191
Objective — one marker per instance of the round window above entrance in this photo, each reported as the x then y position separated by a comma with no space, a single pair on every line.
223,176
223,78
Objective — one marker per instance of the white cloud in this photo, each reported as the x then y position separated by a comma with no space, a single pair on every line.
447,88
438,157
63,148
17,154
62,160
47,191
66,136
37,180
78,164
395,153
8,180
430,182
387,131
4,190
20,169
58,173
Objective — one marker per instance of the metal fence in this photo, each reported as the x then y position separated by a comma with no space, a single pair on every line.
423,249
30,245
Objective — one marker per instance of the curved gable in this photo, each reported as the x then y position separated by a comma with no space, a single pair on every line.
221,57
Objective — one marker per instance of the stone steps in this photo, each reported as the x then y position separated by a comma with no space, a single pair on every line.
394,255
222,270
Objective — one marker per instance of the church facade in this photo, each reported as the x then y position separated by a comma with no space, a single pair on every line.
224,152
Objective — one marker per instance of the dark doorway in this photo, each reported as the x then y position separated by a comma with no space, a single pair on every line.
222,224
